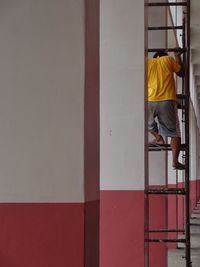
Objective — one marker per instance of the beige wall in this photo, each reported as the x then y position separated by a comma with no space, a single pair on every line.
157,16
122,94
41,100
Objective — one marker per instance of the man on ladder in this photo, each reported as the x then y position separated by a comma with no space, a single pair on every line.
162,101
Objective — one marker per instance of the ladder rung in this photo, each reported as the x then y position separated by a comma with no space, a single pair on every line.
181,100
166,240
167,49
164,147
181,96
166,231
155,147
195,212
163,191
165,28
180,106
195,224
167,4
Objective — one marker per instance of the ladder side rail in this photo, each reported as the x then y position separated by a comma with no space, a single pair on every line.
187,141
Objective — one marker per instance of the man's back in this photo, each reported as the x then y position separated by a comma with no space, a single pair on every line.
161,84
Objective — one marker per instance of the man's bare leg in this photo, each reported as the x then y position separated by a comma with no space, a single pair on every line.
159,138
176,146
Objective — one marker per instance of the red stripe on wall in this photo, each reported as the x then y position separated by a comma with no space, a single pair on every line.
121,228
42,235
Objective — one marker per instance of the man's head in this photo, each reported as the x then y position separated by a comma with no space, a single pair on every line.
160,53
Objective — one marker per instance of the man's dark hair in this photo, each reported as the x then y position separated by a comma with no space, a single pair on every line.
160,53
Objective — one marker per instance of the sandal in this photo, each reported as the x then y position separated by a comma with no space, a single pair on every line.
154,143
179,166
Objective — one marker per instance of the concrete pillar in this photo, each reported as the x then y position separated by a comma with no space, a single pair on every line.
122,133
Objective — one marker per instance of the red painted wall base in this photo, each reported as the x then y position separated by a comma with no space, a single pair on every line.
121,228
49,235
176,213
42,235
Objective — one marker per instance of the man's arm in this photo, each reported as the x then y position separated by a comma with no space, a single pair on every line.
178,59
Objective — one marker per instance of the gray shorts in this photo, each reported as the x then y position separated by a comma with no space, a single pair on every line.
167,118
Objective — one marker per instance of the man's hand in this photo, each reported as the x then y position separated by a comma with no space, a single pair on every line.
178,53
178,59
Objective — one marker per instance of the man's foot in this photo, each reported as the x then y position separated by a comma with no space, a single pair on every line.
158,141
179,166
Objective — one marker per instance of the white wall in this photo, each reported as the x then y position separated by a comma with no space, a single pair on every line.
177,16
122,94
193,144
41,100
157,16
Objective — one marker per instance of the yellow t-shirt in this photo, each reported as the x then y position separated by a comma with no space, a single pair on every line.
161,84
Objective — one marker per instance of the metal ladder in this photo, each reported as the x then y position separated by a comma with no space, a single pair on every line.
184,99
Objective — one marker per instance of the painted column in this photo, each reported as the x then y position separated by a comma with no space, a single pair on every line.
91,135
122,133
49,73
